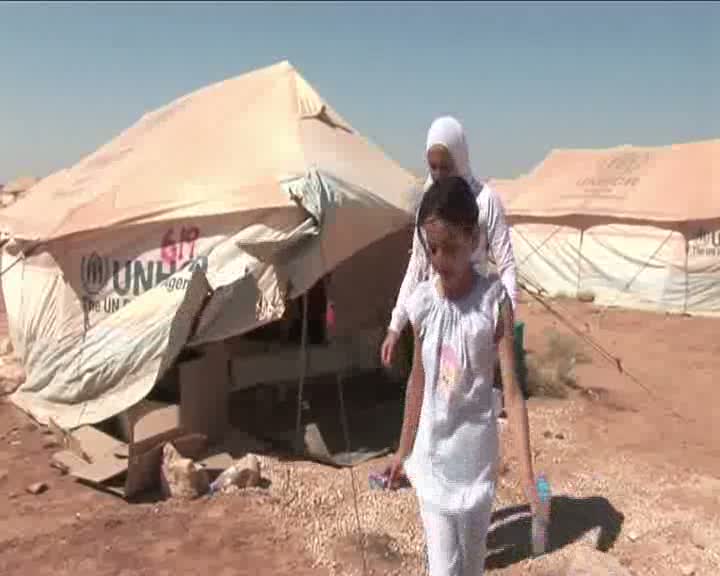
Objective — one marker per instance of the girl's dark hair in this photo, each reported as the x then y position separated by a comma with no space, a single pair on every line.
450,200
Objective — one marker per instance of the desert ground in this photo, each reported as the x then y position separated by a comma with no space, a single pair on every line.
633,460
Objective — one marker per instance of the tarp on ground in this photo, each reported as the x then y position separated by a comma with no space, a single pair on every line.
197,224
637,227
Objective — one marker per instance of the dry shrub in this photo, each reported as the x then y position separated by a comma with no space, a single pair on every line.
553,372
544,380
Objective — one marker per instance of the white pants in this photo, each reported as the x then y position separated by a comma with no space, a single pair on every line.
457,543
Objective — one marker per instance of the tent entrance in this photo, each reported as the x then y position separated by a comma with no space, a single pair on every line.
293,386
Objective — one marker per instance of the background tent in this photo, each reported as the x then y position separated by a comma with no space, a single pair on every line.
635,227
15,189
199,223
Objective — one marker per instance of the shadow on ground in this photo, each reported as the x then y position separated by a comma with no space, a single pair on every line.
571,520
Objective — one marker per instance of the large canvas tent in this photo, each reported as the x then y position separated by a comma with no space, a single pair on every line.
635,227
199,223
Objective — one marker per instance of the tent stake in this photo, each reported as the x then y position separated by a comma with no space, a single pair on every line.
299,439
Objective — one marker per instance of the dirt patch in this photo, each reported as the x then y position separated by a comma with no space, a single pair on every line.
73,529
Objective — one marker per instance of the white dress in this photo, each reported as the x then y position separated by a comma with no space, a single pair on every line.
454,458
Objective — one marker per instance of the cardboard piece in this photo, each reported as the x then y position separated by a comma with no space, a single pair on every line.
201,419
102,469
204,394
108,458
134,420
66,440
95,443
67,461
92,455
156,421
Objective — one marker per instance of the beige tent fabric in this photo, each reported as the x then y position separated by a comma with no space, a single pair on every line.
218,208
19,185
634,227
220,150
676,183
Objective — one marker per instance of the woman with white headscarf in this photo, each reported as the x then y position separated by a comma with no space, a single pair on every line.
447,155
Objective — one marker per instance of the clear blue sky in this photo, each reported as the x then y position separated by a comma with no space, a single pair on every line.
522,77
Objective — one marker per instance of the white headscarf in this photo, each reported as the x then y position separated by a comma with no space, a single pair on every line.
448,132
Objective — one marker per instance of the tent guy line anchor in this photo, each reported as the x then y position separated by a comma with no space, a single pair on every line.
611,358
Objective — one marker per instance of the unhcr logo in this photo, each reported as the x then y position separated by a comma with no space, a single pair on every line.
625,163
94,273
617,173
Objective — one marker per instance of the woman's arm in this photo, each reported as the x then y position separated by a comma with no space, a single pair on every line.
514,399
414,274
501,245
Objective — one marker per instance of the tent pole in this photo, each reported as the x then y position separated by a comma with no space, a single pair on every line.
337,348
299,441
579,264
687,284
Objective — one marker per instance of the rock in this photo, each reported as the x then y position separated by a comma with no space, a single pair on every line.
181,477
547,434
6,347
245,473
588,562
586,296
687,570
592,537
700,538
3,476
12,376
60,467
560,436
37,488
634,536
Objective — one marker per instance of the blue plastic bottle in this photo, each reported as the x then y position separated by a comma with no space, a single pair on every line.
541,520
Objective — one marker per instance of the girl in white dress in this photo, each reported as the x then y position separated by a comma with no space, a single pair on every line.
462,321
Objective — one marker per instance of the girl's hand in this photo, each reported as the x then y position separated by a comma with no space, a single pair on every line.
394,472
387,350
533,497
